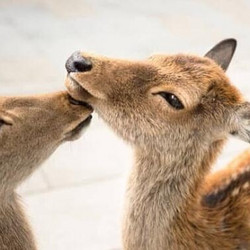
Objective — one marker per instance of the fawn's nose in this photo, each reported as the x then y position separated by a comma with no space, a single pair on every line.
78,63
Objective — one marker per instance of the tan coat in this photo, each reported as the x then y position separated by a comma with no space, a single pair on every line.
177,112
31,128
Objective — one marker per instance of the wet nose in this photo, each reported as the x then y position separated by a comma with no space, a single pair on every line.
77,63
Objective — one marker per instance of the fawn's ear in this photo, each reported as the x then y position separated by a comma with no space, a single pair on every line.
223,52
242,123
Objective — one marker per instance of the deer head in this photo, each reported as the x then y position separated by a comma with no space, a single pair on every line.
165,99
31,128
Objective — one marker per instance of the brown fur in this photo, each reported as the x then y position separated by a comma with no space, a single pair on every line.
174,149
31,129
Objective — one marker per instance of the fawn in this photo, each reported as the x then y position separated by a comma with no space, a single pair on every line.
177,112
31,128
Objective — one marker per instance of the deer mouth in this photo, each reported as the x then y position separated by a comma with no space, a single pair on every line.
78,130
73,101
75,90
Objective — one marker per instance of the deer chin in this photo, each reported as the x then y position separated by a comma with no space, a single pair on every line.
78,130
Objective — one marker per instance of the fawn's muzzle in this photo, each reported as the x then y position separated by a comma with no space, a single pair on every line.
77,63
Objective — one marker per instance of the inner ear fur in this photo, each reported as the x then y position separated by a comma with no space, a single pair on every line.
223,52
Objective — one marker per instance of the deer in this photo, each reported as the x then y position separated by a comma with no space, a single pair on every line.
177,112
31,129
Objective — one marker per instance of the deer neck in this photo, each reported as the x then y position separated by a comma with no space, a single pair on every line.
161,187
14,231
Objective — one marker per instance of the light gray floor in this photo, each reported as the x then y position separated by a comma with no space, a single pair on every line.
75,200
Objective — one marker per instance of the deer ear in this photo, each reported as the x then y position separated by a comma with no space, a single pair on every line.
242,123
223,52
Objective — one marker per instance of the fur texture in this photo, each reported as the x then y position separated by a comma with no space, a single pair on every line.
168,206
31,129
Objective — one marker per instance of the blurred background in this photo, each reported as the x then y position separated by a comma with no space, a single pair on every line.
74,201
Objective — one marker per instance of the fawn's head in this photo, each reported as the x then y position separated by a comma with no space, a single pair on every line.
32,127
164,99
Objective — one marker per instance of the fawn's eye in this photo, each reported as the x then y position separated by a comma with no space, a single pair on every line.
2,122
172,100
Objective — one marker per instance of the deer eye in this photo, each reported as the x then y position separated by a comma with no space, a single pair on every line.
2,122
172,100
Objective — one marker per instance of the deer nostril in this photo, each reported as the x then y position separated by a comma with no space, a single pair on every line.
78,63
82,66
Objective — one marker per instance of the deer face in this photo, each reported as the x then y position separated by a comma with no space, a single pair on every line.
162,100
31,128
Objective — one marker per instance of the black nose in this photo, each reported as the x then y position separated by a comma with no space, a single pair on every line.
77,63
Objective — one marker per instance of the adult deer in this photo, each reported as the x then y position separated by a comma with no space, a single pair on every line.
31,128
177,111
